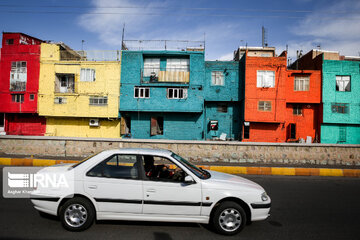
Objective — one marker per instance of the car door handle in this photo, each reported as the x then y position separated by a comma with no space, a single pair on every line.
150,190
93,187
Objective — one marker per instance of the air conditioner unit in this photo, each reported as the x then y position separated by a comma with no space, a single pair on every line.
94,122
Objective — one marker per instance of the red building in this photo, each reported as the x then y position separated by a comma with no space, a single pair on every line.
19,84
303,103
265,95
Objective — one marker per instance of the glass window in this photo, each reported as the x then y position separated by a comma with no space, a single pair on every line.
264,106
217,78
87,75
297,110
98,101
177,65
343,83
140,92
18,76
117,166
265,79
340,107
19,98
162,169
151,67
301,83
176,93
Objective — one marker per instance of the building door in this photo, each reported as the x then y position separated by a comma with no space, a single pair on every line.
2,123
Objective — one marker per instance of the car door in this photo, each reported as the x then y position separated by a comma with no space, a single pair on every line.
115,184
166,196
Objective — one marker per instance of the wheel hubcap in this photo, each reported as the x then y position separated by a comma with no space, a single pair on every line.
230,219
75,215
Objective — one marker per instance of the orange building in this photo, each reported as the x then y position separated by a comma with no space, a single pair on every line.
303,98
265,95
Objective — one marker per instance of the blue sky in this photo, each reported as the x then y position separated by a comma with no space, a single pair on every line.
227,24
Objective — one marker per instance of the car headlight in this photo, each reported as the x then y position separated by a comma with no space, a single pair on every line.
264,196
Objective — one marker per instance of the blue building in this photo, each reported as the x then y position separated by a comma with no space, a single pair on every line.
162,95
223,100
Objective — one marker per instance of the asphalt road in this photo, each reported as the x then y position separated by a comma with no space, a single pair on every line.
302,208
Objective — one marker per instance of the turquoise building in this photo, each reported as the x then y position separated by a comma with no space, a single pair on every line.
341,101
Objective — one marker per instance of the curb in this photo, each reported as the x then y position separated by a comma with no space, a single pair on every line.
285,171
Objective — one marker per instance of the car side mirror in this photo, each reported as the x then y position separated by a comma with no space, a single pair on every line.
189,180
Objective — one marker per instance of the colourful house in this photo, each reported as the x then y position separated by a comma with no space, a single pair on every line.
162,94
265,94
341,101
19,82
223,95
79,95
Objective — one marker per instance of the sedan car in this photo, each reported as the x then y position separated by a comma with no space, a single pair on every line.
150,185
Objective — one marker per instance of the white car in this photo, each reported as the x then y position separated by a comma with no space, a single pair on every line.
150,185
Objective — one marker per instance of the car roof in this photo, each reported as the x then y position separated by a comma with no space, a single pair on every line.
146,151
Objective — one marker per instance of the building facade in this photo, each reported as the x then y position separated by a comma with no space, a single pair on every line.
223,95
265,99
77,95
162,94
19,82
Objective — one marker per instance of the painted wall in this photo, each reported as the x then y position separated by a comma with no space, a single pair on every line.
132,64
228,123
24,124
107,83
265,126
177,126
340,133
24,48
79,127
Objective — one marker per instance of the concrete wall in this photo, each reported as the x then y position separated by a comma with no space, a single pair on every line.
196,151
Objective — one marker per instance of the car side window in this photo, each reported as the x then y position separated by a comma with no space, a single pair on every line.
161,169
116,166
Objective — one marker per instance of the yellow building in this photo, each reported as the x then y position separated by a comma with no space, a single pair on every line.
79,97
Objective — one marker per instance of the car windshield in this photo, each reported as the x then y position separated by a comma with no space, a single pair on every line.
199,172
84,160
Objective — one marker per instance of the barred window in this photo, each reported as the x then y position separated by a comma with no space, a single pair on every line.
98,101
59,100
264,106
301,83
340,107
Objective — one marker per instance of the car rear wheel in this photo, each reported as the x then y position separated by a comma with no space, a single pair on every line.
229,218
77,214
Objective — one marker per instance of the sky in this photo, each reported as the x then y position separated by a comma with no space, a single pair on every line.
224,24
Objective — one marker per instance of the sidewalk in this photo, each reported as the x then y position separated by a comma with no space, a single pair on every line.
231,168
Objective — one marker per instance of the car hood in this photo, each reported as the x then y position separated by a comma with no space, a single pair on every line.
59,168
228,181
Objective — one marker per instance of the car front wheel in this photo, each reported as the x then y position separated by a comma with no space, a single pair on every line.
77,214
229,218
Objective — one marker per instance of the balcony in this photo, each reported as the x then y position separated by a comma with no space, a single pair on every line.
168,75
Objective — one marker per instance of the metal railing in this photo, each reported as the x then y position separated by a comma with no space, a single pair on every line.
178,45
91,55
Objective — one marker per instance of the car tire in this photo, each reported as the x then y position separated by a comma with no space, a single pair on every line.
77,214
229,218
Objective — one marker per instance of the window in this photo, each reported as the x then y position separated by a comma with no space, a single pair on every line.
87,75
246,131
151,67
161,169
217,78
157,126
59,100
18,76
19,98
116,166
301,83
64,83
264,106
340,107
265,79
32,97
176,93
177,65
297,110
292,131
9,41
141,92
343,83
222,108
98,101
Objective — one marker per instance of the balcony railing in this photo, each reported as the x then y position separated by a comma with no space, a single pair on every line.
178,45
91,55
166,75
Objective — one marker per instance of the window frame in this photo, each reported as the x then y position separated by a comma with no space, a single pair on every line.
344,106
98,98
297,110
139,175
177,91
302,82
215,76
60,100
145,89
342,81
264,103
17,98
18,73
263,75
86,73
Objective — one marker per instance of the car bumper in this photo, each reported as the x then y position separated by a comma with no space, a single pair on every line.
260,211
47,204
